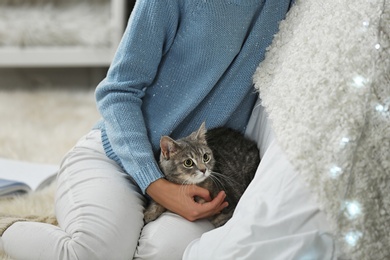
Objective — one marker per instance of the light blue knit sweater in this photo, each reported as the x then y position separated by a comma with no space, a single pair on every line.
181,62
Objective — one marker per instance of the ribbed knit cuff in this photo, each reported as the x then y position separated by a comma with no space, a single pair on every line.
148,174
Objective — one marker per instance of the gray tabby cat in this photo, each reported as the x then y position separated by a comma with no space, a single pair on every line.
218,159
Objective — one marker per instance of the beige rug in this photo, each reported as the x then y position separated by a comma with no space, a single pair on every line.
41,125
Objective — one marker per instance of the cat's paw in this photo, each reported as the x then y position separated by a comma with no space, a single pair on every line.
152,212
149,217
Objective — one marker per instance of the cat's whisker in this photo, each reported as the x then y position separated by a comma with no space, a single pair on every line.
218,182
185,186
231,180
224,177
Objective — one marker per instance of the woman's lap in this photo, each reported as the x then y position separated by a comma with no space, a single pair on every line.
100,216
168,236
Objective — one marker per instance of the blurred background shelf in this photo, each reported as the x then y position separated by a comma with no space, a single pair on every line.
55,57
61,33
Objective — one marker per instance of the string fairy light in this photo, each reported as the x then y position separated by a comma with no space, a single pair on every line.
359,81
335,171
353,237
344,141
351,208
383,109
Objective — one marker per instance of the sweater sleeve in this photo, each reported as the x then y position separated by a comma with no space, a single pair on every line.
149,33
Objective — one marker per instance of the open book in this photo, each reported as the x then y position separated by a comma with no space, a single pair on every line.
21,177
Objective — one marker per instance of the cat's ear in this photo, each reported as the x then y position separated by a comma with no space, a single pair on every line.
168,147
201,133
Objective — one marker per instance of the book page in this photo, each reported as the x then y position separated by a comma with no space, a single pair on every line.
12,187
32,174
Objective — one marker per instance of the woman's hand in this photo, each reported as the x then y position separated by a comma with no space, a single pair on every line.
180,199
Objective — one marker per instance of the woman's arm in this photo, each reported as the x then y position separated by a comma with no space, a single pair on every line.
119,96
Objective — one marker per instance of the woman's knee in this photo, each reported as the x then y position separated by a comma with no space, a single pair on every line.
96,204
168,236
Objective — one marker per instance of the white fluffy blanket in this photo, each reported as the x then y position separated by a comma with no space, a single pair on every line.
325,83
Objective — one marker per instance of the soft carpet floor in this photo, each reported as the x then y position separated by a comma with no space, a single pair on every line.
41,125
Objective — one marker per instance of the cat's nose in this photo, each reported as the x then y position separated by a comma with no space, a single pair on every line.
203,170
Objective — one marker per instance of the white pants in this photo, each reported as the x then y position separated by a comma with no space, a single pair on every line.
100,215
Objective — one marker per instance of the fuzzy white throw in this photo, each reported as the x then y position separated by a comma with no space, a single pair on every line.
325,83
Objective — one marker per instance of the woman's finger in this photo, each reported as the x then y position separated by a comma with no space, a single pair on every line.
199,192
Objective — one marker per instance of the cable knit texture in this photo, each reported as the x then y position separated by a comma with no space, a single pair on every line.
181,63
325,83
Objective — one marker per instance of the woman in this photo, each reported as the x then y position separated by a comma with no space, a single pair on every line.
180,62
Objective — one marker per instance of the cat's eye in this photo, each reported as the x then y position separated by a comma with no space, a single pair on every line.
206,157
188,163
